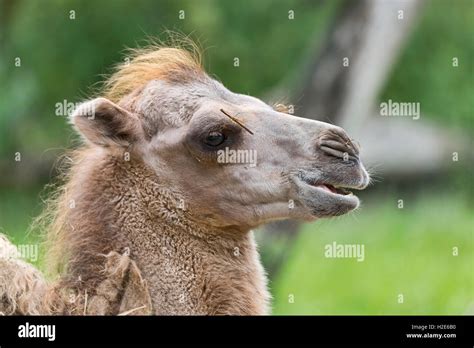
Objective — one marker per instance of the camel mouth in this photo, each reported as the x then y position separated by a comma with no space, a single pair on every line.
323,198
338,190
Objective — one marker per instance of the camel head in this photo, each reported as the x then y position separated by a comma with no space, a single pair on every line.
236,161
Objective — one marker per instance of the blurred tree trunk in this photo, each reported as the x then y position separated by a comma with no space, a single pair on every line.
348,72
343,80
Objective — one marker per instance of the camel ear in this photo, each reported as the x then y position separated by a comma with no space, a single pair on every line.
106,124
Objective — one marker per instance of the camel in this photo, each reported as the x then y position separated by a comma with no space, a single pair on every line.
149,221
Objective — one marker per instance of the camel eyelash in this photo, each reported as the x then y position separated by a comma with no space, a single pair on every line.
236,121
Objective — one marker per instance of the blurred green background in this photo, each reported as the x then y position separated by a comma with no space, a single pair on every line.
408,251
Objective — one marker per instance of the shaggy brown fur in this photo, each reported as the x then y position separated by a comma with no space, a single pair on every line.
148,222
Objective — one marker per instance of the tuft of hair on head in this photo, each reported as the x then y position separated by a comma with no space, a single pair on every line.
281,107
178,60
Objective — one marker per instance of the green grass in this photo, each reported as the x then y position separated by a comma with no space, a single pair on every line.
407,251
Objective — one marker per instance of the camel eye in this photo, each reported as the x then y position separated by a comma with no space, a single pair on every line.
215,139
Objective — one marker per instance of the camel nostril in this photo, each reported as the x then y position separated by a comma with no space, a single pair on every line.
345,151
344,155
336,143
